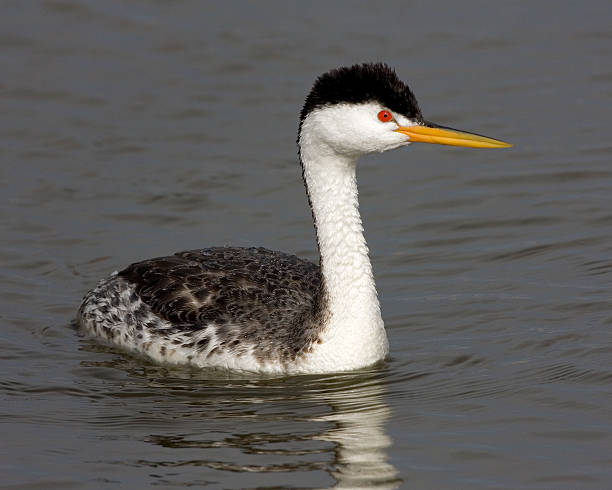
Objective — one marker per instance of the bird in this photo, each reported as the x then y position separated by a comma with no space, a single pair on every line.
262,311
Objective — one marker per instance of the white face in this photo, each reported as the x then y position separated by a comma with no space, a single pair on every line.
355,129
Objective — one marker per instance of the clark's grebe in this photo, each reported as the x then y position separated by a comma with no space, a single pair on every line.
257,310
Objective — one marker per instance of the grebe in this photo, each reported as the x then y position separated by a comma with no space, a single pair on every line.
256,310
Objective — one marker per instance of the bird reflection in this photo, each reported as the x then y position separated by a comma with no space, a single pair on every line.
359,415
307,431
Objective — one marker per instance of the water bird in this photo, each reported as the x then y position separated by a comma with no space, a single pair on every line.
258,310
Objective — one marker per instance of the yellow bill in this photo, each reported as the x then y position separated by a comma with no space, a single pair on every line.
440,135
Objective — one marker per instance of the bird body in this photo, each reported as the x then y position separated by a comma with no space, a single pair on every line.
257,310
224,307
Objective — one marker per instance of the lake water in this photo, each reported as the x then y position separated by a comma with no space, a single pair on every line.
136,129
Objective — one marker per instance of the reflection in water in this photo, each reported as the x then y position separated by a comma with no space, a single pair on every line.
330,428
359,414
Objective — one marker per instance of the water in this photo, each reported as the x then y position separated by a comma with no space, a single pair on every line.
132,130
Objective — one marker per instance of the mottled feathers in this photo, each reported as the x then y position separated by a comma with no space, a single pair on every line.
215,301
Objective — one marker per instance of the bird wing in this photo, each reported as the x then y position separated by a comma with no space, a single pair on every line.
250,287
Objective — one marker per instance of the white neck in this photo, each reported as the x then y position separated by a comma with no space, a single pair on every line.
354,335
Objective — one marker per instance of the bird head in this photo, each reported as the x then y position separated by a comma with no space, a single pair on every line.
366,108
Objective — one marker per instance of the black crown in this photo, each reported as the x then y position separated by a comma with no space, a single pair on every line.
363,83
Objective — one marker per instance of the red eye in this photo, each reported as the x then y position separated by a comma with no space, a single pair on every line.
384,116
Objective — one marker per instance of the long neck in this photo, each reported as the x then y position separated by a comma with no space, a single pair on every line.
345,265
351,300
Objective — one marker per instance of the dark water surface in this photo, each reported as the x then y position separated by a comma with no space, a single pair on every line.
136,129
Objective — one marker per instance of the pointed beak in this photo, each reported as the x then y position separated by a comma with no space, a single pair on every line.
432,133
